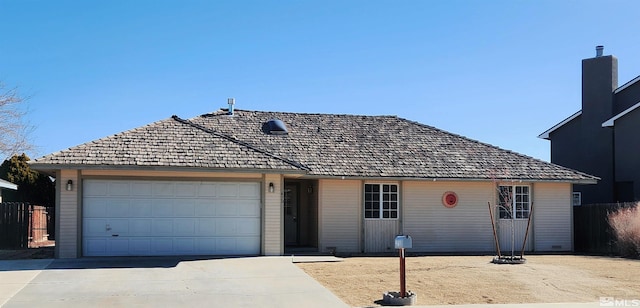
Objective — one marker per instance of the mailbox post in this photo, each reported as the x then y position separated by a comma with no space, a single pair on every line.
402,242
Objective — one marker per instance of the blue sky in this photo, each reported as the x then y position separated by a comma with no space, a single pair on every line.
501,72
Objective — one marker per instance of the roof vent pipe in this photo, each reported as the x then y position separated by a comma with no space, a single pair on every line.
599,50
231,102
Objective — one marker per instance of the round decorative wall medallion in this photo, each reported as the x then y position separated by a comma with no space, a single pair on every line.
450,199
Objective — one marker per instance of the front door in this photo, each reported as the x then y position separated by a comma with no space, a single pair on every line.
291,214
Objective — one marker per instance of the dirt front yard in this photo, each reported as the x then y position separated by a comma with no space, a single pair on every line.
360,281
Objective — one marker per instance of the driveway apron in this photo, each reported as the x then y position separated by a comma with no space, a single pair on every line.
163,282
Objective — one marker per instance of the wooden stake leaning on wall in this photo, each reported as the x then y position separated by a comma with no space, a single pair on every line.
526,233
495,234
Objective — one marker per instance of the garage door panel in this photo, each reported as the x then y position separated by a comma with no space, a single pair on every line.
207,190
205,245
226,227
119,188
184,208
248,245
227,208
227,190
184,245
205,208
187,189
140,246
118,208
248,227
206,226
184,227
248,190
140,227
96,189
118,246
163,227
95,207
162,246
247,208
163,189
163,208
95,246
141,208
226,245
170,218
141,189
118,226
95,226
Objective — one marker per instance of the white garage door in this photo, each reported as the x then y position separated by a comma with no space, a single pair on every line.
139,218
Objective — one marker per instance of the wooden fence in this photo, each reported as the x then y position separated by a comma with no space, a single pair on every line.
591,230
24,225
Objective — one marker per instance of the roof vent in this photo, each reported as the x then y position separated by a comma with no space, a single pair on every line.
231,102
599,50
275,127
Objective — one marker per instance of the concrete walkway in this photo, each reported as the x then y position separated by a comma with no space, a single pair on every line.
161,282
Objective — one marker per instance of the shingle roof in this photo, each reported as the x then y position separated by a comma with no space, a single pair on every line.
317,144
166,143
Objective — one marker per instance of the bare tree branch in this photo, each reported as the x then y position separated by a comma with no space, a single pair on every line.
14,130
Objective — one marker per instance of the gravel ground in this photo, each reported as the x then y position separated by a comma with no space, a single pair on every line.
442,280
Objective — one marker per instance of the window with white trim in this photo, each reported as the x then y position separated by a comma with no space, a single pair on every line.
514,197
381,201
576,198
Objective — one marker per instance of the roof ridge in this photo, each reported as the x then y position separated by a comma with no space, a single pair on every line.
217,113
240,142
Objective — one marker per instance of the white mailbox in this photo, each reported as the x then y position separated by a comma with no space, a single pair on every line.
403,241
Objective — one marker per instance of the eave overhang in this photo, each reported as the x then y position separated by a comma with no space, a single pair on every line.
546,134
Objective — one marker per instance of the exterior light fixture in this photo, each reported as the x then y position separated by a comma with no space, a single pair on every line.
310,189
69,185
271,188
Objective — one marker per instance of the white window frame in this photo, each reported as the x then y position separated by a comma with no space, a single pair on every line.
515,203
579,198
381,201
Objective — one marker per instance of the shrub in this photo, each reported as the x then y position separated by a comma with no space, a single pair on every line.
625,223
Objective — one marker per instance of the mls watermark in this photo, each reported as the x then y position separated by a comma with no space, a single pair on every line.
618,302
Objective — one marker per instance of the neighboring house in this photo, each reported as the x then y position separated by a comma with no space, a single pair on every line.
250,182
6,185
602,138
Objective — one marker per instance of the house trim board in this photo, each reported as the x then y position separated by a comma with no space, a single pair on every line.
611,122
626,85
546,134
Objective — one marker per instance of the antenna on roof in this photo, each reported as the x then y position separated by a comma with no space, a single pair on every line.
231,102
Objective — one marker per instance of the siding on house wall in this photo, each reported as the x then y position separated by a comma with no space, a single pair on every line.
435,228
552,217
273,227
627,148
340,218
68,215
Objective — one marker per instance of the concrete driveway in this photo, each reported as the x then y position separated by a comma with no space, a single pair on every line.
161,282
